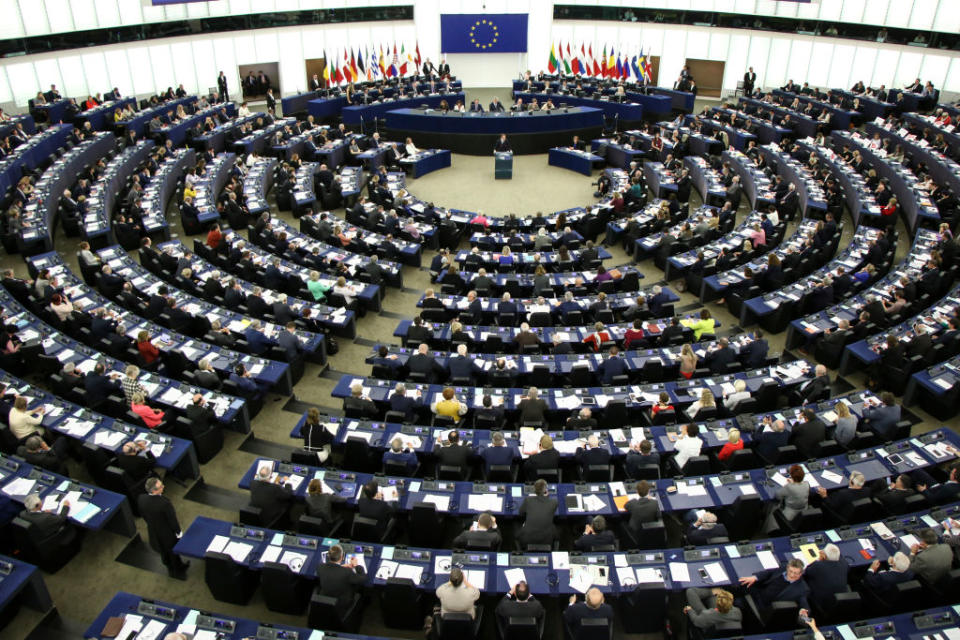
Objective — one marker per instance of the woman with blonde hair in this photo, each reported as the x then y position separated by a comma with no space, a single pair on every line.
734,443
706,401
688,361
846,425
316,288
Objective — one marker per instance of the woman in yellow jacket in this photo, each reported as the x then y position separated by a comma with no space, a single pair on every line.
449,405
705,324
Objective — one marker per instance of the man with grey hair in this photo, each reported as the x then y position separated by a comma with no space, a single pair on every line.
882,583
401,454
827,576
811,389
592,455
359,405
930,558
35,451
771,435
839,502
163,528
49,527
463,369
704,528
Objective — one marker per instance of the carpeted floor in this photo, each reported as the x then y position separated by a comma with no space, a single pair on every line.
110,563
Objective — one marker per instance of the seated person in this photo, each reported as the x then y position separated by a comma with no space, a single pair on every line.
640,455
595,535
401,454
706,608
482,534
773,585
704,528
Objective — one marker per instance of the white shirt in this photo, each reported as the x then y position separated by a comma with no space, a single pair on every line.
687,448
412,149
243,111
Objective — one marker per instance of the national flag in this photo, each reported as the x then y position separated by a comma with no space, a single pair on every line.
619,68
413,63
590,61
363,70
347,76
353,67
626,67
648,68
611,66
552,63
566,61
403,60
603,63
575,62
373,64
417,58
395,63
326,69
382,62
636,69
336,75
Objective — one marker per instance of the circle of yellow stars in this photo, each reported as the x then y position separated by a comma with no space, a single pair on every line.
473,34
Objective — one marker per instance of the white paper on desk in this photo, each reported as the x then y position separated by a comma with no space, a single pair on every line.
915,458
909,540
748,489
626,576
271,554
387,569
295,481
19,487
692,490
485,502
679,572
412,571
442,502
296,561
779,479
152,631
767,559
238,550
560,559
476,577
846,632
513,576
389,493
882,530
832,476
206,634
131,625
952,634
567,447
648,575
580,578
716,572
442,564
578,498
593,503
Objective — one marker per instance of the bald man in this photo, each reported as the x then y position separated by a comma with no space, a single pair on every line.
592,454
592,607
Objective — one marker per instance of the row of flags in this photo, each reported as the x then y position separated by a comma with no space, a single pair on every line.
376,64
608,64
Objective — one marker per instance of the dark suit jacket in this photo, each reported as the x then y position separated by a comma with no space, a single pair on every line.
883,582
340,582
379,510
549,459
826,578
200,418
48,525
642,510
588,457
161,519
477,539
590,541
701,536
272,499
579,611
139,467
719,359
807,436
538,527
452,455
766,590
509,607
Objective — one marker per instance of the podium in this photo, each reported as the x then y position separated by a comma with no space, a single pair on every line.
503,165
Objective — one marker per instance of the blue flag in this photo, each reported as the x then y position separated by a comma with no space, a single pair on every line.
483,32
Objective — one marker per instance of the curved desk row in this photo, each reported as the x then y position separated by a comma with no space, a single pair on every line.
96,226
476,133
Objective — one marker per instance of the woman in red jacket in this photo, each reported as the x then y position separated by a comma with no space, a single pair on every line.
634,336
151,417
734,443
149,352
889,212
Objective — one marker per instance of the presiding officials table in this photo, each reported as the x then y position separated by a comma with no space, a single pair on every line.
475,133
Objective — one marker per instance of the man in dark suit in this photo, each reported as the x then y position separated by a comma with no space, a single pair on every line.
288,341
893,496
774,585
754,353
612,367
256,305
99,385
483,535
205,376
592,607
951,333
50,529
788,205
592,454
595,535
840,501
462,366
518,603
163,528
721,356
749,81
507,306
452,453
945,492
813,388
371,505
272,497
827,576
705,528
835,339
502,144
499,453
138,467
538,512
35,451
882,583
423,362
657,301
340,581
642,509
200,416
358,404
257,341
883,419
808,434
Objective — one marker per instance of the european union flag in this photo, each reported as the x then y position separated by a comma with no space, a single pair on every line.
483,32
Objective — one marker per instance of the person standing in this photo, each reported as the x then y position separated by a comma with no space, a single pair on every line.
163,528
749,81
222,87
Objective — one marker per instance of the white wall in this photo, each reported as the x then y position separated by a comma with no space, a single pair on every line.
776,57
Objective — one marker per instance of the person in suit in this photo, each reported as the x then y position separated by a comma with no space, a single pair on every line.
657,301
592,607
642,509
749,82
499,453
163,529
882,583
49,528
774,585
592,454
360,405
930,559
453,454
400,401
840,501
206,377
320,504
893,496
946,492
518,603
200,416
36,452
463,367
98,385
639,456
754,353
538,512
827,576
707,608
721,356
137,460
595,535
257,341
812,388
287,341
371,505
532,408
612,367
882,419
704,528
424,363
482,534
502,145
546,458
582,421
808,435
400,454
272,497
339,579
